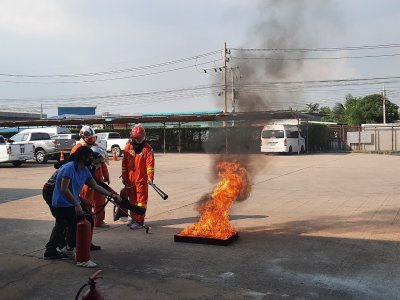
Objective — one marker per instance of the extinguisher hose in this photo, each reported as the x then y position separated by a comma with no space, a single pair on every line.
106,187
102,207
80,290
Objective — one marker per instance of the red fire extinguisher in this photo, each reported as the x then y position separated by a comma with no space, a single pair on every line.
83,240
91,293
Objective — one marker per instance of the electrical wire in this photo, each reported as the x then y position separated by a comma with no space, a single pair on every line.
116,71
319,58
106,79
350,48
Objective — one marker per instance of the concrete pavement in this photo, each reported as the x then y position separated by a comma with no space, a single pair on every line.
315,227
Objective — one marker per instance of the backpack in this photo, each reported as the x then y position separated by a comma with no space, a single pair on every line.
48,189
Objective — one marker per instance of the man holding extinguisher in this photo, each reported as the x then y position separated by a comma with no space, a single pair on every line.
137,173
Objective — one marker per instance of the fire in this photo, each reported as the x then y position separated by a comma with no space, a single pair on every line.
214,213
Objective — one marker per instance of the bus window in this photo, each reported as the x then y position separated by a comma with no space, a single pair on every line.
278,134
292,134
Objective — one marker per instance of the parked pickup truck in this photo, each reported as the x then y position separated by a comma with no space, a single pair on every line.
64,142
45,147
114,142
15,154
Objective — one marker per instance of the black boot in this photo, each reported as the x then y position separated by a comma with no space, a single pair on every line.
94,247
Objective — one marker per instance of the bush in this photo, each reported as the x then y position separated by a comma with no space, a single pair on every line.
318,137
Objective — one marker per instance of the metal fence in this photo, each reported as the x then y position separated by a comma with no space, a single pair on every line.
209,140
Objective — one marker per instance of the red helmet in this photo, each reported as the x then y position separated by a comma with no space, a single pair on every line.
138,134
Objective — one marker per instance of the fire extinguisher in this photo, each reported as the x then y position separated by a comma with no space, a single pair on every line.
83,240
91,293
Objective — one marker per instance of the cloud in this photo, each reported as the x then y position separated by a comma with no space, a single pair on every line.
33,18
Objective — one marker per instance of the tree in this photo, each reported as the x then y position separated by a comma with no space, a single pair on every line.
369,109
312,107
358,110
339,113
327,112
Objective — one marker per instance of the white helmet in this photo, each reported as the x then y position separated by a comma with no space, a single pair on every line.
87,131
100,155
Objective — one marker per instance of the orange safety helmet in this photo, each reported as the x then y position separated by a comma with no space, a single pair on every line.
138,134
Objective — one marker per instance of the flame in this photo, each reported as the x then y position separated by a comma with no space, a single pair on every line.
214,213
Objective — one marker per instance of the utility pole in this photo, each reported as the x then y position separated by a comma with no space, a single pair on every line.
384,107
298,133
225,87
41,111
233,90
225,100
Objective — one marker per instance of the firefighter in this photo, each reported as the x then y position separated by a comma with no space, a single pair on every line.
137,172
88,138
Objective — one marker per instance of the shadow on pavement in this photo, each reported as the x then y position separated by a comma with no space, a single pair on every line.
264,263
7,195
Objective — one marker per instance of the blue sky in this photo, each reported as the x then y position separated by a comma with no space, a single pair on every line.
85,37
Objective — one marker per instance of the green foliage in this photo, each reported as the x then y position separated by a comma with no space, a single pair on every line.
318,137
312,107
361,110
328,115
369,109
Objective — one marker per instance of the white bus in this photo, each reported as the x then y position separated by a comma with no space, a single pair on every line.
281,138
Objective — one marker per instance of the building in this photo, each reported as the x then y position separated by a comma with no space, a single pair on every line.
80,111
19,116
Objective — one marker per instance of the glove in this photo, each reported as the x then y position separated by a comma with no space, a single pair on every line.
116,198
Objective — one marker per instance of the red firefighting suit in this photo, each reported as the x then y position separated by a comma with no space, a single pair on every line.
96,199
137,169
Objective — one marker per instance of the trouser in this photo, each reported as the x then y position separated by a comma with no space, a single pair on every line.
58,234
65,226
97,201
138,195
57,237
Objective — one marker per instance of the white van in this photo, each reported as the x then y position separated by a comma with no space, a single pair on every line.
281,138
53,130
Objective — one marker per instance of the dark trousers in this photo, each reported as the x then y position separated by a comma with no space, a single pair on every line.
64,230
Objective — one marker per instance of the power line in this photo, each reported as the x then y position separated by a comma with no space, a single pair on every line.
120,95
270,85
107,79
324,81
385,46
319,58
115,71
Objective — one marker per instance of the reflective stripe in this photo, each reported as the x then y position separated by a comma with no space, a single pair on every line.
150,169
142,205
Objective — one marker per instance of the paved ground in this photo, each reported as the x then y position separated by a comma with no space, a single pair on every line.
314,227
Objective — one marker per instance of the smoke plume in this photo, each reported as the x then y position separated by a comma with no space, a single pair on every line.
282,24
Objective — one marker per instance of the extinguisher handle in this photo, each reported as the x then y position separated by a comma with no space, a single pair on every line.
95,275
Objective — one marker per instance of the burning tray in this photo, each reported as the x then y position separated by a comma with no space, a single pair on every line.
205,240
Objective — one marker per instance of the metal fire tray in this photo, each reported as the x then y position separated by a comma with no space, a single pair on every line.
205,240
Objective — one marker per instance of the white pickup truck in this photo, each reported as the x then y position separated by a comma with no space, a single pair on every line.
114,142
15,153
